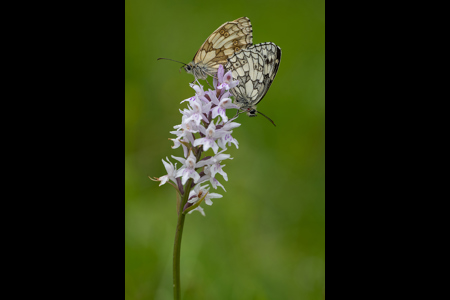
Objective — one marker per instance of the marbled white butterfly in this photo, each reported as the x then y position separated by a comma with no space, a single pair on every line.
229,38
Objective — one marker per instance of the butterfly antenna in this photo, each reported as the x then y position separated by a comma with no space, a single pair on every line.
267,118
172,60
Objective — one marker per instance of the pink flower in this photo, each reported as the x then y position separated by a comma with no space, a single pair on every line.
200,192
215,164
222,105
188,169
228,82
209,141
214,182
197,111
171,172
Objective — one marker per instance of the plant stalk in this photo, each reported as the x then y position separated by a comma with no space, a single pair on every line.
177,243
179,235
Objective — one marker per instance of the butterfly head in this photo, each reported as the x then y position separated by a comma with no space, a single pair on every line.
251,111
245,106
189,68
199,71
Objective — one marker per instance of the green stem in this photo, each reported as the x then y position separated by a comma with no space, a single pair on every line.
178,236
177,243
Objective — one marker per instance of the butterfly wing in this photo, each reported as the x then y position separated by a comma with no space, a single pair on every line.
247,66
229,38
271,54
255,68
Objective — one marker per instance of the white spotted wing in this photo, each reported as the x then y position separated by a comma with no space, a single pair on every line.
255,68
229,38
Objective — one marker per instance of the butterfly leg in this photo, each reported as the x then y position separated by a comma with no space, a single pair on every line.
213,76
236,116
208,83
196,81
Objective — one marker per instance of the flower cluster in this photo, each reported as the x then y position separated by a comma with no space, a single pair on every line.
204,125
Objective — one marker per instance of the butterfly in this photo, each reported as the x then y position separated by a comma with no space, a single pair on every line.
255,68
229,38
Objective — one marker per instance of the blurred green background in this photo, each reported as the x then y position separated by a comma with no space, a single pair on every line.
265,239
